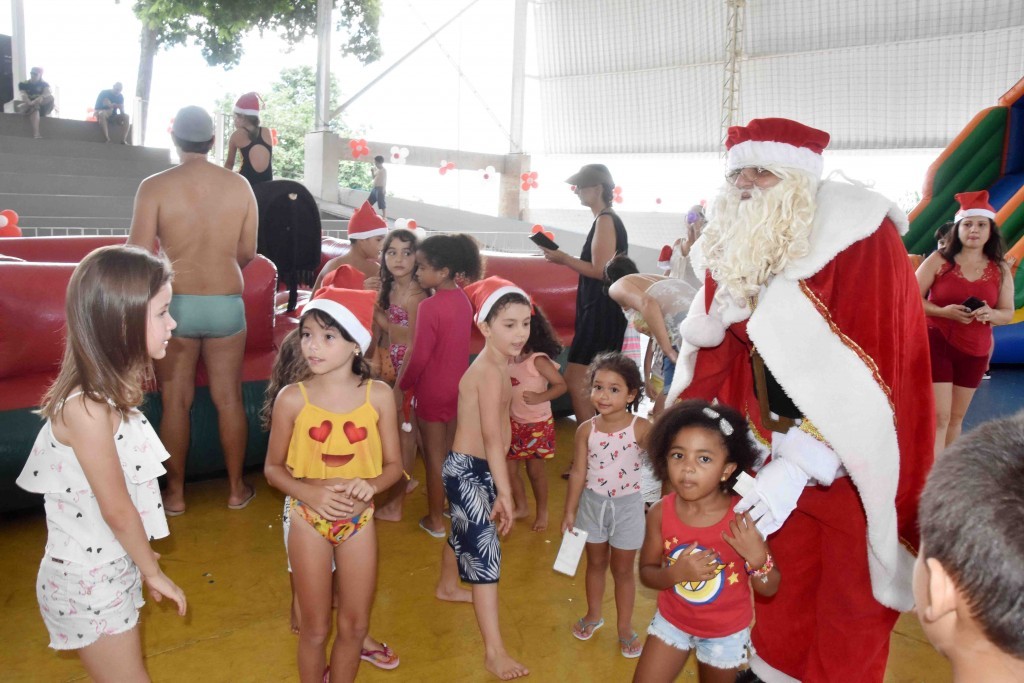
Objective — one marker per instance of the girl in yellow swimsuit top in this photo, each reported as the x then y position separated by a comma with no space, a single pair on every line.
333,446
325,444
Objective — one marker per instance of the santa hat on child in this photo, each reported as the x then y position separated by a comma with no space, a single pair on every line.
974,204
665,257
248,104
352,309
344,277
483,294
365,223
776,143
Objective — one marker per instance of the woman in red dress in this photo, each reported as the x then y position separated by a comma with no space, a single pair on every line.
967,288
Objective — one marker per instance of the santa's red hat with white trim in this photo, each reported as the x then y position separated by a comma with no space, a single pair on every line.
776,143
248,104
483,294
352,309
365,223
665,257
974,204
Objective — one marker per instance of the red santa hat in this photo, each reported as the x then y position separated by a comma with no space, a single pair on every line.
248,104
352,309
974,204
665,257
344,277
365,223
779,143
483,294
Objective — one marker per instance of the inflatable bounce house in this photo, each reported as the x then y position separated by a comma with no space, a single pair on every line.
34,274
988,154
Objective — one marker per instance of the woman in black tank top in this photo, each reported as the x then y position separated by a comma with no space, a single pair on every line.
250,138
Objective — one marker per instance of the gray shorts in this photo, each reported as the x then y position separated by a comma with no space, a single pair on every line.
617,520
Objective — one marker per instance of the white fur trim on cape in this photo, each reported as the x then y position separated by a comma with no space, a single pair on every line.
844,214
767,673
780,154
838,393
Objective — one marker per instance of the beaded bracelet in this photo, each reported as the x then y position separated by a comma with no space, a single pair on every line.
764,571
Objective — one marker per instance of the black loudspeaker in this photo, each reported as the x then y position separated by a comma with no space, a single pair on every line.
6,71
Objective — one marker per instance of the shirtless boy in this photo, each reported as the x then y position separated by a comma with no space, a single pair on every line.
366,233
477,462
204,217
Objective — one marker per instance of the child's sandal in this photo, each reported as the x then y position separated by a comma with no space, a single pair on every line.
632,647
584,630
384,658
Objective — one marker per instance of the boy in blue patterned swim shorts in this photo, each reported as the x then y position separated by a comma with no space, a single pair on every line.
475,475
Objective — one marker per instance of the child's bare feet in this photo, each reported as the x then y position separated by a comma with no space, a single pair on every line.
504,667
541,523
392,512
411,485
453,594
521,512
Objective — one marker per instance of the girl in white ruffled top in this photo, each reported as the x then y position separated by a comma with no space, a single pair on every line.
96,462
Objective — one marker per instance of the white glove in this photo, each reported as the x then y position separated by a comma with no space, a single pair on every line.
812,456
772,496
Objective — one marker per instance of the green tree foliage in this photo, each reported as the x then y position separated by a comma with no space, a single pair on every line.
289,108
218,26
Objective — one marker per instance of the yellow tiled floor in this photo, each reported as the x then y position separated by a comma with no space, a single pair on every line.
232,568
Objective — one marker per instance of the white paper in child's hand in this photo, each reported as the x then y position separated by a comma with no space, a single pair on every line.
570,552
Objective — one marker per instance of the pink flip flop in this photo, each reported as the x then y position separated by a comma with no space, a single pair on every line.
385,658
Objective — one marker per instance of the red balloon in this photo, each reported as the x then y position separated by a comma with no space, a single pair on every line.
537,228
550,235
11,215
411,225
10,230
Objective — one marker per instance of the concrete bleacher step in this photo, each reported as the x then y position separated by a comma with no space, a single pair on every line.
81,166
97,151
67,205
44,183
51,127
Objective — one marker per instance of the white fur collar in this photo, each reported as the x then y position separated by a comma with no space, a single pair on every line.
845,214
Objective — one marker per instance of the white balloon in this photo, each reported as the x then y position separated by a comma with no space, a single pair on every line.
3,221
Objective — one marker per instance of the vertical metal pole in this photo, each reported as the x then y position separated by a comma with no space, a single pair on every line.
733,54
323,64
19,65
518,79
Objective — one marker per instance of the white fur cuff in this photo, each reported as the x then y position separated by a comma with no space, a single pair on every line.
703,331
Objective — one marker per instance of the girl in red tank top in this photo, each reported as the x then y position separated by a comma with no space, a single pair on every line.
703,558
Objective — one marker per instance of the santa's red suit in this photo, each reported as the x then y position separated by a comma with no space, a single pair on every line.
843,332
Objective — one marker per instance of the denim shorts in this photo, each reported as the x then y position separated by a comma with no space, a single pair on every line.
727,652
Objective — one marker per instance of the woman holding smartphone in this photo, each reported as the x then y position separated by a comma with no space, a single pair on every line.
600,324
967,288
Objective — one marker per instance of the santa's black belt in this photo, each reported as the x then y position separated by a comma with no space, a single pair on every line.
778,412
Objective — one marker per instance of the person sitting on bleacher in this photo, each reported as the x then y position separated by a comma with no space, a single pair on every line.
36,98
110,109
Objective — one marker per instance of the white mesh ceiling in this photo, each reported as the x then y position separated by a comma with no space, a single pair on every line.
645,76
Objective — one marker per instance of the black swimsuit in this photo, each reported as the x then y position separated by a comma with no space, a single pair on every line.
247,171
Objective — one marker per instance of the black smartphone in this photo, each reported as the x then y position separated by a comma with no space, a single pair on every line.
973,303
542,240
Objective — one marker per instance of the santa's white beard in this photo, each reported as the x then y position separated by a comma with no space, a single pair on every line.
747,241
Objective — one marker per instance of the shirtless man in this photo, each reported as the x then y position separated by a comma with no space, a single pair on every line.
205,218
477,462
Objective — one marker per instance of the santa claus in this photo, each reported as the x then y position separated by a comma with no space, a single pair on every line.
811,321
